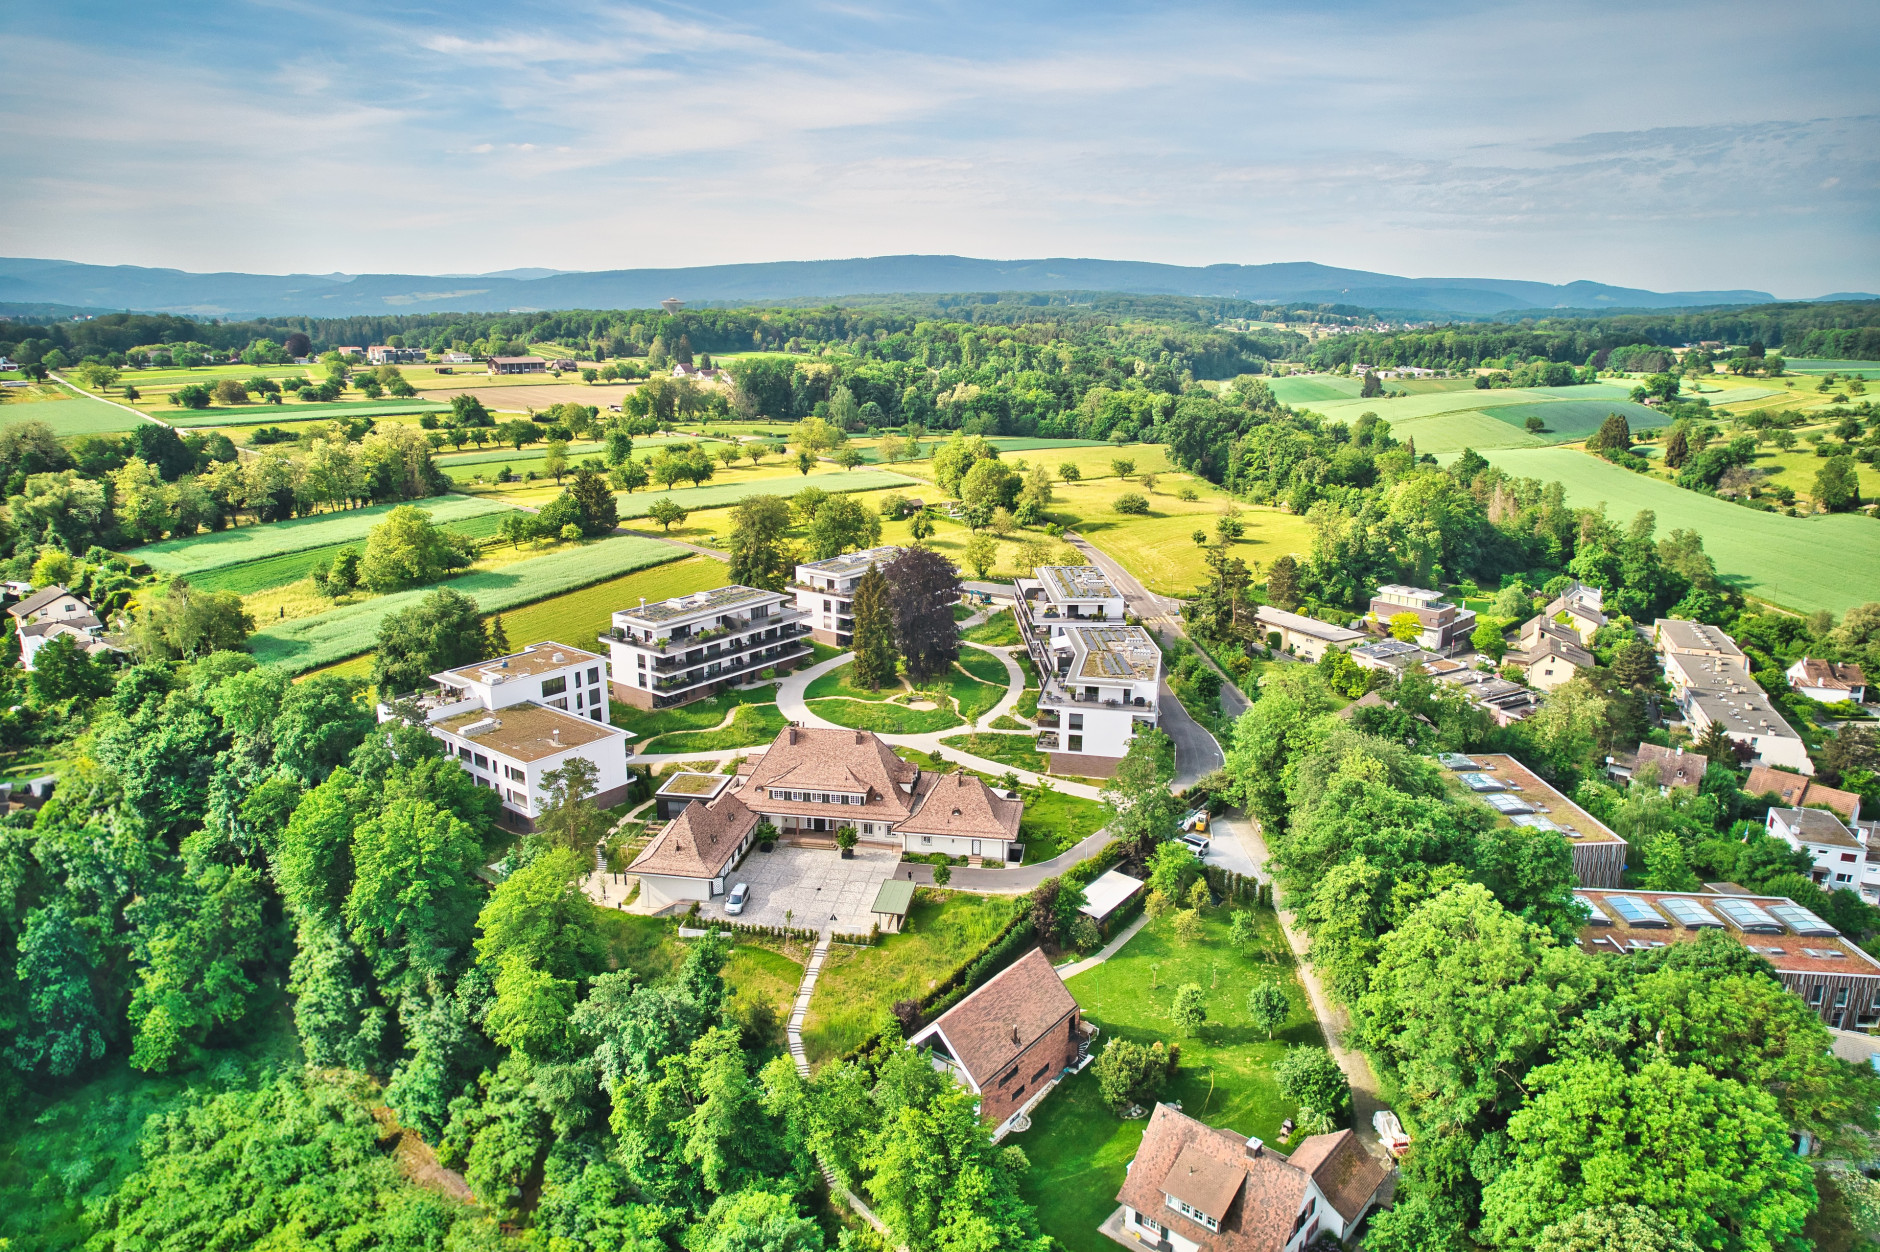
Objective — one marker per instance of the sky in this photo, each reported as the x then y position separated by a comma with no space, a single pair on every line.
1668,146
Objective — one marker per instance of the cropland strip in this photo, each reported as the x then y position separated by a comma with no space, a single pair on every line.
639,503
267,414
75,413
1829,561
307,642
201,553
250,577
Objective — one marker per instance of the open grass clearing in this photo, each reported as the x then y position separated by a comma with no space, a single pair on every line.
1079,1149
200,553
1570,420
1015,750
1159,548
1796,469
719,495
985,666
1803,563
579,448
1055,822
1298,389
752,726
757,975
250,577
884,717
648,724
858,986
1821,365
351,629
999,630
292,411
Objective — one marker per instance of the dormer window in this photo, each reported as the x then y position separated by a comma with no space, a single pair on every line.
1190,1212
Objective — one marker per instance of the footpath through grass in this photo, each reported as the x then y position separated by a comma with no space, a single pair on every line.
306,642
752,725
1078,1148
858,986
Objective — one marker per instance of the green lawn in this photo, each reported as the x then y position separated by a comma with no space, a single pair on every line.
1000,631
985,666
1078,1148
198,554
1803,563
1014,750
699,715
759,974
884,718
293,411
858,985
308,642
1306,389
752,725
1054,822
581,617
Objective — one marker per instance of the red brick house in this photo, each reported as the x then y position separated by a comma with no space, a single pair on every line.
1009,1041
1193,1188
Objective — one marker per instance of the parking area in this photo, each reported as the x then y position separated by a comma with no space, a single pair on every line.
812,887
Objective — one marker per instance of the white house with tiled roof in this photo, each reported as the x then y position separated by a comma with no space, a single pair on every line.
693,857
45,615
1829,682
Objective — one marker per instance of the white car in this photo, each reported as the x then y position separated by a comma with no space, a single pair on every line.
1197,844
734,903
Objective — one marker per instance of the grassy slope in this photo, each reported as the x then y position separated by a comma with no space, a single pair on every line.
306,642
722,494
580,617
857,985
254,576
1825,562
1078,1148
200,553
75,413
999,630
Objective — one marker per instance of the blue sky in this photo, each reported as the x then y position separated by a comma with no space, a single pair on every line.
1672,146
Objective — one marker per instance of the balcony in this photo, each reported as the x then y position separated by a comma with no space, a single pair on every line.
730,624
1047,717
713,671
1047,741
1054,694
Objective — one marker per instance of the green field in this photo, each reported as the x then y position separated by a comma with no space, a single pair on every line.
267,414
75,414
491,456
1567,420
307,642
1816,365
201,553
1803,563
581,617
1306,388
277,571
689,498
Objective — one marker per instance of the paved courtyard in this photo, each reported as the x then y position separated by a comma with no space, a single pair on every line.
814,886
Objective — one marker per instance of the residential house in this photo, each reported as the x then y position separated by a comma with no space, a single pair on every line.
1671,635
45,615
518,365
825,592
1522,798
1839,849
1101,677
513,719
813,782
1830,682
1504,701
350,349
456,358
678,650
1011,1040
1553,657
1393,655
1194,1188
1718,691
692,858
1672,767
1442,627
1800,791
380,354
1831,974
1304,637
1579,608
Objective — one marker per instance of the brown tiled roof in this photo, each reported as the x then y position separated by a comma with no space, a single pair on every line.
1675,768
1568,650
1798,790
989,1028
39,600
803,759
698,842
1259,1218
1204,1181
960,804
1829,674
1347,1174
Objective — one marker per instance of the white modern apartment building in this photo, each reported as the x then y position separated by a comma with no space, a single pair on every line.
1100,676
683,649
825,593
513,719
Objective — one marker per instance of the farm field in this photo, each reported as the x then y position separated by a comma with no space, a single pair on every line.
1803,563
1006,444
307,642
1454,417
1078,1148
1297,389
522,396
1159,548
250,577
292,411
68,410
201,553
578,448
1091,459
1568,421
1819,365
720,495
1796,469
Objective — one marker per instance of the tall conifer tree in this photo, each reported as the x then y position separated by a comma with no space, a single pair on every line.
875,656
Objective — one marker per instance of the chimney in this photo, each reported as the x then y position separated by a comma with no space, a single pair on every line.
1255,1147
642,601
858,736
793,733
1015,1038
555,734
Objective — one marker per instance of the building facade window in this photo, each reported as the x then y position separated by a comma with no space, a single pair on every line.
554,686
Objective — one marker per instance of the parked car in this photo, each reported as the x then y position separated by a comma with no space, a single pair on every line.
734,903
1197,844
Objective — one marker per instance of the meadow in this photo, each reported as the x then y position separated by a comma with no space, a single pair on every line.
200,553
250,577
292,411
720,495
67,410
1566,421
1829,561
307,642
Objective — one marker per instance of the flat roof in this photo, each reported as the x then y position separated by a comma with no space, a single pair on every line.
716,600
1102,897
1118,652
1678,635
528,732
1516,779
1789,937
1309,626
852,562
694,785
534,660
1076,582
895,897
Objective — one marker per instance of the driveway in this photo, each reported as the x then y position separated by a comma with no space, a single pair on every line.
810,887
1196,753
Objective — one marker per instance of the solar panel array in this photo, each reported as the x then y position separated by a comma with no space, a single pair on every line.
1635,912
1801,921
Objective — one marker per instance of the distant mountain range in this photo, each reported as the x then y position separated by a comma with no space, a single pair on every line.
29,281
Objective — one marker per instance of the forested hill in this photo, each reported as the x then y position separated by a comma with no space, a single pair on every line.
332,295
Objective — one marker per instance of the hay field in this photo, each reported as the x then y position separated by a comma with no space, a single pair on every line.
201,553
67,409
1298,389
1803,563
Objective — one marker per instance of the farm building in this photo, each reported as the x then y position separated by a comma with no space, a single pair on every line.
518,365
